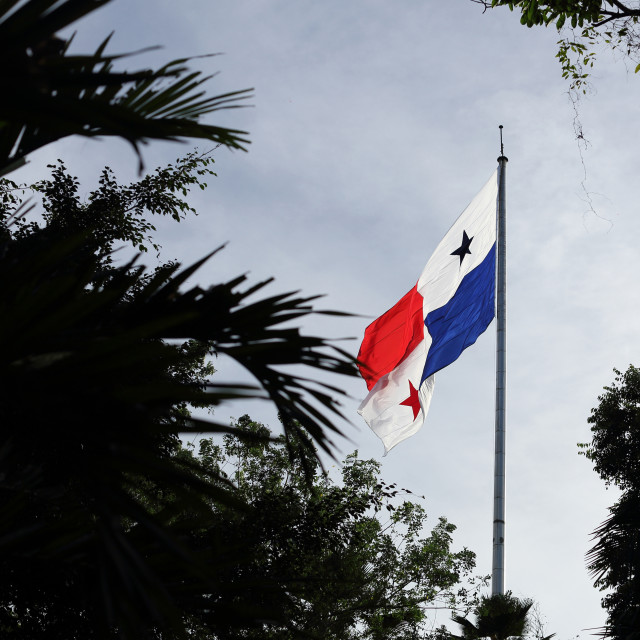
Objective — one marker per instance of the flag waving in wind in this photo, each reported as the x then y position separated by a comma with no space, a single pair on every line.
452,303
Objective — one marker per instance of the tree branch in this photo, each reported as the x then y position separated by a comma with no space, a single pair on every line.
611,17
626,10
485,3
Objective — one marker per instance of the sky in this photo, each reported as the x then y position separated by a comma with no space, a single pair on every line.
372,125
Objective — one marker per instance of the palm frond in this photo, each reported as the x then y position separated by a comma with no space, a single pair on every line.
85,365
54,94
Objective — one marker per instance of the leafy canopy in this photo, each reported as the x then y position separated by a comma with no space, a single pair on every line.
113,213
352,553
614,450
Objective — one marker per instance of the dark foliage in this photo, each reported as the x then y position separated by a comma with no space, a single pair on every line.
101,364
90,405
614,560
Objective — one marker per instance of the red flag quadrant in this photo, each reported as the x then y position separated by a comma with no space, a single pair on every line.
391,338
452,303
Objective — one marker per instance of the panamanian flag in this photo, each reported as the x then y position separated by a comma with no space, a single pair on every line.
452,303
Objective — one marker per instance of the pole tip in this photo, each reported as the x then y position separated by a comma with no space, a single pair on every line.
502,156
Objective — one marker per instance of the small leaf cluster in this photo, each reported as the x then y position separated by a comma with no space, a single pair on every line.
576,56
577,53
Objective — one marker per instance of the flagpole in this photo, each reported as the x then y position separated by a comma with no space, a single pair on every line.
497,574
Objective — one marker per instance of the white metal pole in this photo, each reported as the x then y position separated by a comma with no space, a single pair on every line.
497,574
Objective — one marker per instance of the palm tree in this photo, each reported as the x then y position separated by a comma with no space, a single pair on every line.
498,617
614,563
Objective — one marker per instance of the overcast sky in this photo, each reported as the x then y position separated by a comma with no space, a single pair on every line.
373,125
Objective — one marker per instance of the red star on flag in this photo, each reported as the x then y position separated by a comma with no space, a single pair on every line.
413,400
